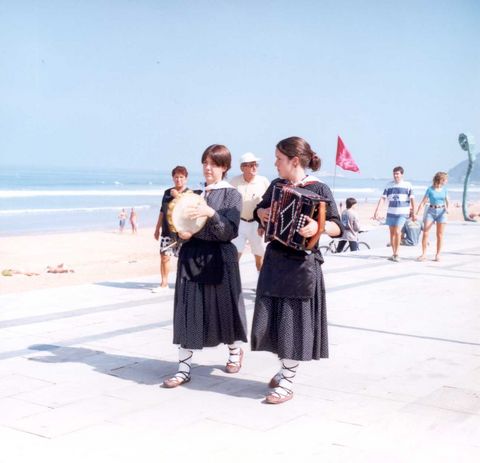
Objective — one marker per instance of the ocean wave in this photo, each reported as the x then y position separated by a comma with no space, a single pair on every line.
37,193
460,190
356,190
11,212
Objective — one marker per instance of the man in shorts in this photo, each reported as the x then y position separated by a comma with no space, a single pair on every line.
162,230
401,205
252,187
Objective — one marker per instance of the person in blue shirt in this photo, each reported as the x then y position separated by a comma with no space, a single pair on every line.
437,197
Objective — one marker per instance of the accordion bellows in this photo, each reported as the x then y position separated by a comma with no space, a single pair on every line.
289,208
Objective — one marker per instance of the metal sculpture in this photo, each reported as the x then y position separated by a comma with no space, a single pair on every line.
467,143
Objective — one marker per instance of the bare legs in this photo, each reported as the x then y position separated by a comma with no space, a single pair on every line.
440,228
164,269
258,262
426,231
395,236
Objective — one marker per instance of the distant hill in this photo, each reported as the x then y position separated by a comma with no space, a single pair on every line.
457,174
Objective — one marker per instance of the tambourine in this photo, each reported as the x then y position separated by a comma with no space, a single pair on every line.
177,210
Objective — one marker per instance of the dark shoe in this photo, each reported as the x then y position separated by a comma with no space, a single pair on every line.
234,367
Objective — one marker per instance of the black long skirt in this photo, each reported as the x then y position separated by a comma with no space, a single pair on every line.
206,315
292,328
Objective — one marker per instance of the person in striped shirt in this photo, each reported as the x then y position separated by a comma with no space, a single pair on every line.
401,205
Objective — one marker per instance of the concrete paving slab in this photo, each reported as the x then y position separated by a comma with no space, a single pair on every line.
81,367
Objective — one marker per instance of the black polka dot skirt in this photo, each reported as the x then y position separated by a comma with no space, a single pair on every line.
208,315
292,328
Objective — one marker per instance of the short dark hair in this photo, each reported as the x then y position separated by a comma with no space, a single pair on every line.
350,202
220,155
180,170
398,169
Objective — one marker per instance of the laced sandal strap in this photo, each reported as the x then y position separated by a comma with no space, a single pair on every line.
181,375
291,370
185,362
280,394
230,361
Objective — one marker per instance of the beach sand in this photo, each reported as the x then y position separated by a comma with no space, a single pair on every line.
97,256
94,256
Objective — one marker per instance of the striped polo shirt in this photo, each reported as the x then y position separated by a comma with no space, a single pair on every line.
398,196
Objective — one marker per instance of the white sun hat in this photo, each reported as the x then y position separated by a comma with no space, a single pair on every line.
248,157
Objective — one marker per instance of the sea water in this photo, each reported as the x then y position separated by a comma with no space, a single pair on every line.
55,200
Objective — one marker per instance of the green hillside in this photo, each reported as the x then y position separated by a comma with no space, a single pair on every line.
457,174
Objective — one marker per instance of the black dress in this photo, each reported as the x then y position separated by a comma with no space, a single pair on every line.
209,308
290,317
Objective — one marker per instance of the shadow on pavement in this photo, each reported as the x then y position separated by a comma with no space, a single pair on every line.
128,284
151,371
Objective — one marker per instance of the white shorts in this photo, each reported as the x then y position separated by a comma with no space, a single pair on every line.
247,231
171,251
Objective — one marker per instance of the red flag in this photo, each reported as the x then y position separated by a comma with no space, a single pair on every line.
344,158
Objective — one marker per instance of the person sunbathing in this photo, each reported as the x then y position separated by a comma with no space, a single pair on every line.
59,269
9,272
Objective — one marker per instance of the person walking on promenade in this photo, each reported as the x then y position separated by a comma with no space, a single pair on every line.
122,217
401,205
290,317
208,303
437,197
351,226
162,230
252,187
133,220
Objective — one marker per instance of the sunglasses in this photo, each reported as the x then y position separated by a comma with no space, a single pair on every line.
250,164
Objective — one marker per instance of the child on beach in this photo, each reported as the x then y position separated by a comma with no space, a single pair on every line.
122,217
351,226
437,197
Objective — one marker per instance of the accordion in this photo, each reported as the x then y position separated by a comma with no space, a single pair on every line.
289,209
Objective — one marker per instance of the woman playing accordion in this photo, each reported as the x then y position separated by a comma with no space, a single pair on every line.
290,316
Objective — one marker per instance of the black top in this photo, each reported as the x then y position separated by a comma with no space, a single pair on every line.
167,198
319,188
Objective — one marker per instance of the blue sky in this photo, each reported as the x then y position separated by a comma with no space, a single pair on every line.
149,84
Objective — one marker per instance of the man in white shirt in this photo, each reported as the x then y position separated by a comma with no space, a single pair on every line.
252,187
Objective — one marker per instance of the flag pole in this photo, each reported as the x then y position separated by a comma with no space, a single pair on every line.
335,169
334,176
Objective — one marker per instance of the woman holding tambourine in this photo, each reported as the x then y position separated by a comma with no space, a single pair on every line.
208,306
290,316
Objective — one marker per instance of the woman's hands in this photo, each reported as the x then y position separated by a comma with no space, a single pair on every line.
194,212
310,229
185,235
263,215
201,210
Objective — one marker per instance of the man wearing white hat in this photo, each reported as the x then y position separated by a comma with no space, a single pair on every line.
252,187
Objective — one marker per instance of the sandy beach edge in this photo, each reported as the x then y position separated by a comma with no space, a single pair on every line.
100,256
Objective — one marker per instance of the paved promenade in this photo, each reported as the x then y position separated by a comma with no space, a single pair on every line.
80,369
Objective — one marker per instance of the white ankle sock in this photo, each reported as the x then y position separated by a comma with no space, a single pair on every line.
286,376
184,362
234,352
